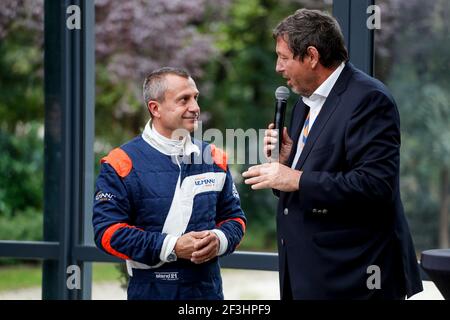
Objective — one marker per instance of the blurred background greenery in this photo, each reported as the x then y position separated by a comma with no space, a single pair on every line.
227,46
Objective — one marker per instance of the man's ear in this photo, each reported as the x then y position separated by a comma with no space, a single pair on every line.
153,108
313,55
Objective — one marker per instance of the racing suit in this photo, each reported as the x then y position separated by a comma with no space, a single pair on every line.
152,190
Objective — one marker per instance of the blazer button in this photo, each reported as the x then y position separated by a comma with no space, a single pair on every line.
286,211
282,242
314,210
324,211
319,211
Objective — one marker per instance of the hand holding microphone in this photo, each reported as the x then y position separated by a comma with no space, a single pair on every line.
271,142
276,174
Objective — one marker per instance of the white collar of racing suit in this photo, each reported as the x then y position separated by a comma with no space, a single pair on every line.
170,147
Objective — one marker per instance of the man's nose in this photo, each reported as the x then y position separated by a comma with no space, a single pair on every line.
279,67
194,107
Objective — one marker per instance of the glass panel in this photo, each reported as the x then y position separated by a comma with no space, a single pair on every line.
413,58
21,120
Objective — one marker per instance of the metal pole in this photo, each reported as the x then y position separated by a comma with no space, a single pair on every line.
85,232
69,122
55,145
352,17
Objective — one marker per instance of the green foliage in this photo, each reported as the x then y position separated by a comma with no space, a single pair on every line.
244,72
21,170
25,225
21,83
260,235
118,114
421,86
21,133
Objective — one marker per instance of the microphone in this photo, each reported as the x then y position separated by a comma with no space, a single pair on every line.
281,97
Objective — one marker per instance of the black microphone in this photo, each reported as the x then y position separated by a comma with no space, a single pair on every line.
281,96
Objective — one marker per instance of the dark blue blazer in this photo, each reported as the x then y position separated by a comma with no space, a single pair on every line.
347,215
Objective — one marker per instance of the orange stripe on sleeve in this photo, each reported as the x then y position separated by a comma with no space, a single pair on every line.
234,219
106,239
120,161
220,157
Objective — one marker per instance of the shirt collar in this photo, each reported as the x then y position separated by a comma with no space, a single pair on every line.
315,100
168,146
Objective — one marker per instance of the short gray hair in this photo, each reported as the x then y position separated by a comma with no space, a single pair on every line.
155,85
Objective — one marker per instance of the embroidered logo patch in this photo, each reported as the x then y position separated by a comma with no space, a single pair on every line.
169,276
207,182
104,196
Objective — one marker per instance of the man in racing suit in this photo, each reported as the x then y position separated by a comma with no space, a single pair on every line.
167,203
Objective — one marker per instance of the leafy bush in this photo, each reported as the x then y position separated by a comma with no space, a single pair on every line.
21,181
25,225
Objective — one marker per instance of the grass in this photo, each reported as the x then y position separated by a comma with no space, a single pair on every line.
105,272
19,276
26,276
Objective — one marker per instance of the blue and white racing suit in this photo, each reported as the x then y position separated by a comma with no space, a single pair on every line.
144,200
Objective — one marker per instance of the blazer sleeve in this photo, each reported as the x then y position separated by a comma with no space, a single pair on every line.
372,152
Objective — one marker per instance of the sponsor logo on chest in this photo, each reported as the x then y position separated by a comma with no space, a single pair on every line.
206,182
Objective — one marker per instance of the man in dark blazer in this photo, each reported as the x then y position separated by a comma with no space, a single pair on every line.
342,233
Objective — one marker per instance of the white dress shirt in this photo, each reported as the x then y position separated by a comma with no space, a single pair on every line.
315,102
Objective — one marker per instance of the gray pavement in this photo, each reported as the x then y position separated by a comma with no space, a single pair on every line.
238,285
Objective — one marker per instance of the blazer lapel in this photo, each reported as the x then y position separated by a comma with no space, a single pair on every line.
327,110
